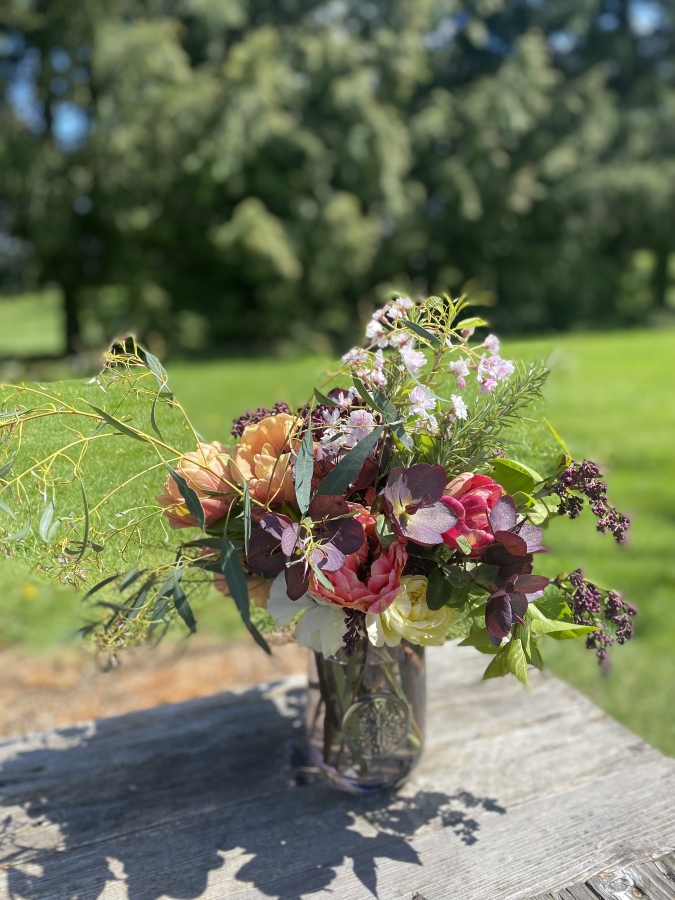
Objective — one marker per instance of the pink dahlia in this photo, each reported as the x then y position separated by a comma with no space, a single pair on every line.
471,497
368,588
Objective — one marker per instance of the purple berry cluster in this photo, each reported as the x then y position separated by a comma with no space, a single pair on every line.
584,478
588,601
355,621
252,418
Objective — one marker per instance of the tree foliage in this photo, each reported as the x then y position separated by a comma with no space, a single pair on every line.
241,172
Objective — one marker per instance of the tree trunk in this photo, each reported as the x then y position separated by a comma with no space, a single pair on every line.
72,322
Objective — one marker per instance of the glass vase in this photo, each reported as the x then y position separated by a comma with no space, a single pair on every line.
365,715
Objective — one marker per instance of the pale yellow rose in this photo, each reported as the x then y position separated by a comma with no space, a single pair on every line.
263,460
409,617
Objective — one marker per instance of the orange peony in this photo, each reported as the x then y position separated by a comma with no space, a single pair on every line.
263,460
205,469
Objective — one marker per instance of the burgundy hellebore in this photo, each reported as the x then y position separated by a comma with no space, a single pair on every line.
412,499
509,604
279,543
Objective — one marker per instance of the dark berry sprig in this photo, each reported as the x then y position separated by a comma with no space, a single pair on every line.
584,478
588,601
252,418
356,630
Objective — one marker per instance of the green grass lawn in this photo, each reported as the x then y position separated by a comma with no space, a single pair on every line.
31,325
611,396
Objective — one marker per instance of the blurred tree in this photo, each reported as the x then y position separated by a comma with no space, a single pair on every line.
221,173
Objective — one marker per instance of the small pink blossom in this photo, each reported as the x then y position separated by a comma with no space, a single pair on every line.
491,343
460,369
414,359
459,407
400,339
354,356
360,424
493,369
375,333
397,308
467,333
421,401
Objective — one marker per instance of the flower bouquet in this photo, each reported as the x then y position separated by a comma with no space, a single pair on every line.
392,512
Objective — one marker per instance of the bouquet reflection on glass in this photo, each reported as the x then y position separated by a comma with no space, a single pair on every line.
398,509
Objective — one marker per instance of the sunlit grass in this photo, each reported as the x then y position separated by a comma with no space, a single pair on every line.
31,325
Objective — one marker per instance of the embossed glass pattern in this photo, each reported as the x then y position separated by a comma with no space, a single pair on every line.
365,715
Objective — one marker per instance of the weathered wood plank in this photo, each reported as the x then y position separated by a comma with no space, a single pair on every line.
648,880
517,794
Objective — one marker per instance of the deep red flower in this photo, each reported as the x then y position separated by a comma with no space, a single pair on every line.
471,498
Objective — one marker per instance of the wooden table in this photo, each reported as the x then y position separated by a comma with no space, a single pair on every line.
518,795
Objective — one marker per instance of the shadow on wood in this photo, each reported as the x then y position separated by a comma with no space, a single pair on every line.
161,799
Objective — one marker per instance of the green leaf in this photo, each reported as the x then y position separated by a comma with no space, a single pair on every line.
6,468
232,569
120,426
99,585
323,399
480,639
304,469
456,576
560,629
384,405
459,595
422,332
384,531
439,589
190,496
464,545
515,660
514,476
157,370
5,508
52,531
559,439
474,322
322,578
183,608
484,574
498,666
153,416
46,521
247,516
338,480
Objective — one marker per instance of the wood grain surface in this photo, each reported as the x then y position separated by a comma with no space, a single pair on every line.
519,795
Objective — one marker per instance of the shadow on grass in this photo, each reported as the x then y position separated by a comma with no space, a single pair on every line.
161,800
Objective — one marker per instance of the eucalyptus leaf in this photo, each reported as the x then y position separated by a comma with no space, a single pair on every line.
6,468
97,587
120,426
323,399
5,508
422,332
46,521
183,608
190,496
247,516
232,569
338,480
304,469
